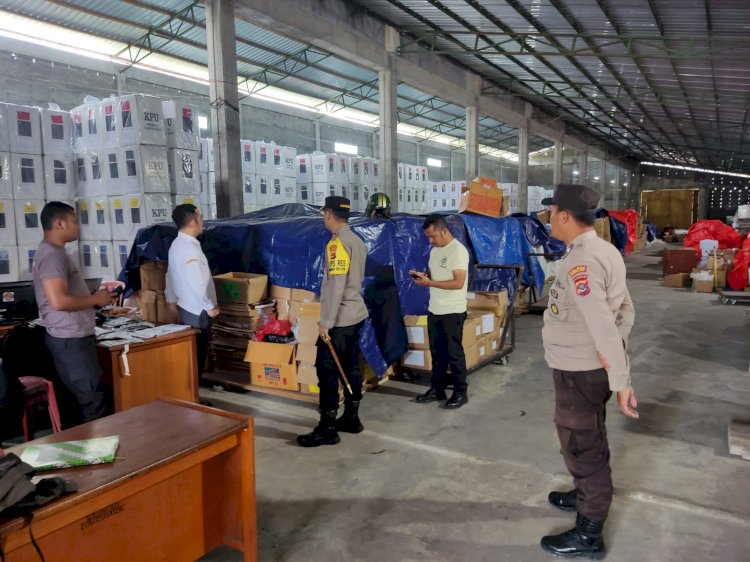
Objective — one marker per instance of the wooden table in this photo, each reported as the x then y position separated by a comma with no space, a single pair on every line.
183,483
162,367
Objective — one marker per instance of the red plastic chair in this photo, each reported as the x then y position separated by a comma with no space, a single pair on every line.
37,390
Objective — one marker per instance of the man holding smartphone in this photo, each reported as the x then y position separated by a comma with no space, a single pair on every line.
447,280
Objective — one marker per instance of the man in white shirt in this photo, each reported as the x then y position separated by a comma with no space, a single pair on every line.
447,279
190,288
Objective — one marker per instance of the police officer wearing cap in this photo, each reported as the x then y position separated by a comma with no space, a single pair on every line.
342,314
585,334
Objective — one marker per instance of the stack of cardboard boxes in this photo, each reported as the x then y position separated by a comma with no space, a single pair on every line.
487,313
642,235
153,303
601,226
482,331
288,366
244,311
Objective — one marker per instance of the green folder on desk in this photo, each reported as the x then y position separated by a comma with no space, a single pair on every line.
51,456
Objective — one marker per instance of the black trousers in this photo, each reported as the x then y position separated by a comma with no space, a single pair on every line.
580,414
446,332
345,340
202,323
78,366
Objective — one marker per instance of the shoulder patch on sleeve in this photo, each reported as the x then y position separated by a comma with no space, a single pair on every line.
338,258
582,285
577,270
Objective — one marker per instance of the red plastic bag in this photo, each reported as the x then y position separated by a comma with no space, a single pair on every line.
737,278
725,235
276,327
629,218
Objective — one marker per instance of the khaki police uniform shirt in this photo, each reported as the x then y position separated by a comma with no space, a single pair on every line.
590,311
341,302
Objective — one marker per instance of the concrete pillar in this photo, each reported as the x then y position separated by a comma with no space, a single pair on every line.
523,169
472,143
557,171
616,189
452,177
419,153
224,99
122,84
375,146
389,121
583,168
317,135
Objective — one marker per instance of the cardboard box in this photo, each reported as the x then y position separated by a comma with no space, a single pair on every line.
300,295
472,329
720,278
283,308
307,354
472,355
153,276
488,323
272,365
497,302
505,211
148,306
482,197
310,310
241,287
420,359
679,280
416,332
181,125
307,331
307,375
703,286
280,293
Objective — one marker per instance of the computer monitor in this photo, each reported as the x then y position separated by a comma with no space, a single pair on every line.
18,301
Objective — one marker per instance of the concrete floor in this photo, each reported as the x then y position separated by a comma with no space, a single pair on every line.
426,484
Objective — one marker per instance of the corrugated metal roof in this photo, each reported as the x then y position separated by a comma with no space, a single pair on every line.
668,77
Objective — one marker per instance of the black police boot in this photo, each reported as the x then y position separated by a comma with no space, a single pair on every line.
349,420
565,501
457,399
432,395
584,540
324,434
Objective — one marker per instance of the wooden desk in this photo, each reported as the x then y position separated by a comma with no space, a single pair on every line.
183,484
159,368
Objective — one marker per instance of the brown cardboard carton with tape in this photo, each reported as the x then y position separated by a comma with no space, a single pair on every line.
416,332
272,365
240,287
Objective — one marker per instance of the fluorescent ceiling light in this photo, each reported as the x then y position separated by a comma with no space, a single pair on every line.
434,162
345,148
691,169
575,172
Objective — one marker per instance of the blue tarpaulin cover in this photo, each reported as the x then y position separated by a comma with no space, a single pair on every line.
652,233
287,242
617,229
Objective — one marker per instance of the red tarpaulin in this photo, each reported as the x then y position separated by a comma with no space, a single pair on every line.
737,278
725,235
629,218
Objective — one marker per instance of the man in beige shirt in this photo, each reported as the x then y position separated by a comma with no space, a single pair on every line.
342,315
447,279
585,334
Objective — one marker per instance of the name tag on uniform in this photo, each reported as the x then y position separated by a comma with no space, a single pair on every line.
338,258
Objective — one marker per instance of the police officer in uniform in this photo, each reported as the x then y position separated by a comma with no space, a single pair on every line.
342,314
586,328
